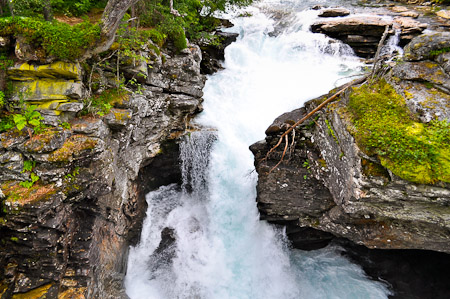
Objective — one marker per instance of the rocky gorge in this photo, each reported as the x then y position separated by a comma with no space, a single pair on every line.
325,185
68,235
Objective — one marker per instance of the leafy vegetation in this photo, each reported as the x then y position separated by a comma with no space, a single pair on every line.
28,167
34,8
196,21
438,52
384,127
57,39
26,116
2,99
101,104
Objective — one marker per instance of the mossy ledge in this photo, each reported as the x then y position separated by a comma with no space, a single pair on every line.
384,127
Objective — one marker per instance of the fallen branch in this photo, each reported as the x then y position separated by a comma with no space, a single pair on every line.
323,104
377,54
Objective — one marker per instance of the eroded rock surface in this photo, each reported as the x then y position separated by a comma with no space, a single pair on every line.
68,235
363,33
329,184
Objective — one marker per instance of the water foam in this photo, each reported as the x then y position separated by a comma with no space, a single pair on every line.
222,250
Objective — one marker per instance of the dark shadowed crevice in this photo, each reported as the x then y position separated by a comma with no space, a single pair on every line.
164,169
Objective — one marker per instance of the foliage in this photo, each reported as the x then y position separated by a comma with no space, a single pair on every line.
6,123
102,103
384,127
26,116
55,38
29,117
438,52
28,184
65,125
197,17
5,62
34,8
28,167
73,174
2,99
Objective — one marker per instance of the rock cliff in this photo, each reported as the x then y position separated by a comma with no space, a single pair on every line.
336,182
68,234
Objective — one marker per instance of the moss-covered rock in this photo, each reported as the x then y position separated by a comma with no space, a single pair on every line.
55,70
17,196
425,46
73,148
384,127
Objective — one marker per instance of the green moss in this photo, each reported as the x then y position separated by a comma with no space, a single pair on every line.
331,131
73,147
19,195
384,127
438,52
54,38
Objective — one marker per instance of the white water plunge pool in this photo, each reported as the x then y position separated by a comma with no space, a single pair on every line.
220,249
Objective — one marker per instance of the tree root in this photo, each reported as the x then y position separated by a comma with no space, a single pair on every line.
292,128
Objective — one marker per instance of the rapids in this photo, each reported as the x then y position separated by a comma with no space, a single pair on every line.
220,248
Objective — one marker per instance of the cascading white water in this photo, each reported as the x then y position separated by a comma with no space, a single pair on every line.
219,248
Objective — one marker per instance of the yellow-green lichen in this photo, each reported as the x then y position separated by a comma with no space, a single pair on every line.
38,293
44,89
16,194
58,69
73,147
383,126
73,293
331,131
37,142
121,115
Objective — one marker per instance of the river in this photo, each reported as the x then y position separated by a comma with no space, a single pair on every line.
218,247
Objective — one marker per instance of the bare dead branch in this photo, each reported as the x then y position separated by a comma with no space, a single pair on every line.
323,104
286,137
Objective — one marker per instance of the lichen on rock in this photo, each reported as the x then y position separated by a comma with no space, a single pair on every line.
386,182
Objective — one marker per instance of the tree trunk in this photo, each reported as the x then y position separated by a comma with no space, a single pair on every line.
11,9
174,11
47,10
112,15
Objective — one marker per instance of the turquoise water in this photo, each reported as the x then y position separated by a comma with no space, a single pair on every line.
222,250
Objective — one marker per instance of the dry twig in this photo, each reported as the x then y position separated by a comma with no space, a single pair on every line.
323,104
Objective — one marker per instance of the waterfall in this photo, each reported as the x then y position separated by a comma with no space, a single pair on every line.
205,239
392,44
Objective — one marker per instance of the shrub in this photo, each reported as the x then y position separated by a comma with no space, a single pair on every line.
56,39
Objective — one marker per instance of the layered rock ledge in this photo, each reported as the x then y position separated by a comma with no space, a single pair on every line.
67,236
332,184
363,33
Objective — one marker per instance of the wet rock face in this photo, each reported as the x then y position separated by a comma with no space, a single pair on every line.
412,274
213,54
327,183
68,235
